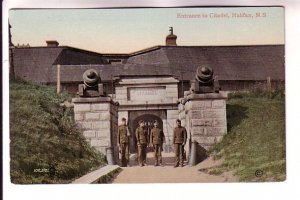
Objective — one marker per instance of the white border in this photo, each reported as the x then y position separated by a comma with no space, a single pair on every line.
170,191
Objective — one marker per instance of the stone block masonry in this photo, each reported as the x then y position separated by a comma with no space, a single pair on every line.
97,118
205,117
169,125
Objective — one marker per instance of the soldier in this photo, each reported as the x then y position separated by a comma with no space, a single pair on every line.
142,142
179,140
157,138
123,140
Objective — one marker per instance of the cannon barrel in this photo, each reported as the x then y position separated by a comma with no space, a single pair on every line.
91,78
205,82
92,86
204,74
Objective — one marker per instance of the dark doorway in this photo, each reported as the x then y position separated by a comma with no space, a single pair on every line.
148,119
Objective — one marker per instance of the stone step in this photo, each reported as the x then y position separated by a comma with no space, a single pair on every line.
94,176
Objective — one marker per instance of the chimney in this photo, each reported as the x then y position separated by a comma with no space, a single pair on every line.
171,38
52,43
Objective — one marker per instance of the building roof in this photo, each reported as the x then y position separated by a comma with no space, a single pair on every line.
36,63
229,62
73,73
74,56
255,62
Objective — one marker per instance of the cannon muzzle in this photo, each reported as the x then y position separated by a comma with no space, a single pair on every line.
204,75
205,82
92,86
91,78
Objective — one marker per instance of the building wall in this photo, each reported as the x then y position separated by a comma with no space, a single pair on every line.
147,91
72,88
226,85
149,98
170,124
97,119
204,117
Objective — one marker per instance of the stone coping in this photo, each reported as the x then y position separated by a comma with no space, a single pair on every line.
152,103
220,95
94,176
92,100
205,96
147,80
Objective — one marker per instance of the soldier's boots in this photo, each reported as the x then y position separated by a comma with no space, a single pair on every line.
157,164
124,163
177,165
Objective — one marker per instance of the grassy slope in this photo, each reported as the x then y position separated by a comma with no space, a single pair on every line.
256,137
43,135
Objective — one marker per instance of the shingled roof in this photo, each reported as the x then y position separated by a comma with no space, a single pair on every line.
73,56
229,62
36,63
73,73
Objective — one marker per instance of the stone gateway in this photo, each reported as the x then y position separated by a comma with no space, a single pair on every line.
150,99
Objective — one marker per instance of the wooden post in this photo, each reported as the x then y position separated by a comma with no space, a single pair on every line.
58,79
112,86
182,83
269,84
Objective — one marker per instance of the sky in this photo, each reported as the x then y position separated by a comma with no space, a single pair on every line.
129,30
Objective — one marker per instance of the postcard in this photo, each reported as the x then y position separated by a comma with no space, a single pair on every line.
147,95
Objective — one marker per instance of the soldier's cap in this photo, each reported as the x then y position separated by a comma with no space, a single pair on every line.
123,119
141,121
178,120
155,121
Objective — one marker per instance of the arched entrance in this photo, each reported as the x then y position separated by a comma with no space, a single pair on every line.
148,119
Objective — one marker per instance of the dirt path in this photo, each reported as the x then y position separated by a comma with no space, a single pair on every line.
168,174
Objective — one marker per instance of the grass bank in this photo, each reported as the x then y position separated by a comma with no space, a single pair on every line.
45,145
254,147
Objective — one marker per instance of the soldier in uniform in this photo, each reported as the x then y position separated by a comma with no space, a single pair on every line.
142,142
157,138
123,140
179,140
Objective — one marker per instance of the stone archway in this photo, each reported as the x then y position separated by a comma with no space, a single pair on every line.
148,117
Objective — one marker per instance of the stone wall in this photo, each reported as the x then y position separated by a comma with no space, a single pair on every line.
98,120
204,117
156,96
122,114
147,90
169,125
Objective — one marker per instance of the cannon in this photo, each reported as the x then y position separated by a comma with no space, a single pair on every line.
205,82
92,86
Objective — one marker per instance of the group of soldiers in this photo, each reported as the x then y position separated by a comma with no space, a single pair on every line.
156,140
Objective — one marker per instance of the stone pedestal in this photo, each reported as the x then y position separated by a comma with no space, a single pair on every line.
98,119
204,117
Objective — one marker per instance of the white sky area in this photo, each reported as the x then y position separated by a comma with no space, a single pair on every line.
128,30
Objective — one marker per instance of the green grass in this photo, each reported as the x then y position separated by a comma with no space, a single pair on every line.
43,134
255,138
